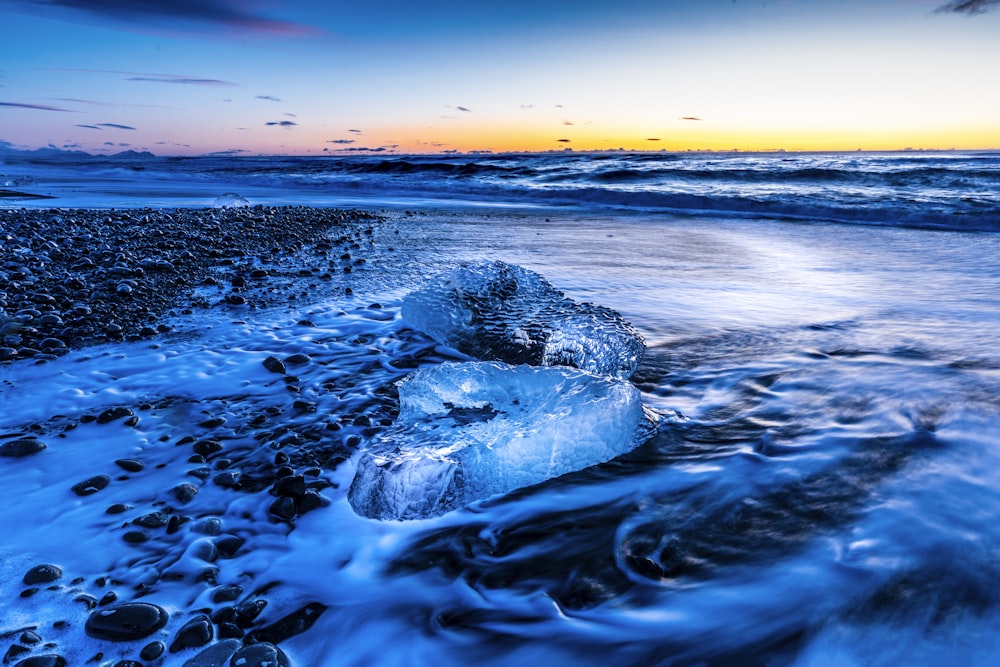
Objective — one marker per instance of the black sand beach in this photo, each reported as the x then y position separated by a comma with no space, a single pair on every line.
70,278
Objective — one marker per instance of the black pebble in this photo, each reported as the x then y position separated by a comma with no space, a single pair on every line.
196,632
42,574
152,650
227,593
274,365
92,485
295,623
130,465
112,414
15,449
283,508
126,622
260,655
43,661
185,492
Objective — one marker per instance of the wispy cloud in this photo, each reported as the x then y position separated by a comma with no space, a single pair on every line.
355,131
228,14
188,81
116,126
969,6
89,127
563,141
269,98
689,118
340,141
281,123
38,107
465,109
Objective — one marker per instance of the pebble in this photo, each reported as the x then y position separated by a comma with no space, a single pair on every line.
21,447
216,655
274,365
48,660
112,414
42,574
129,465
260,655
125,622
196,632
91,485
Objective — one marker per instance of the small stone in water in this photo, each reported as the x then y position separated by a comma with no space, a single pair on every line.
274,365
260,655
112,414
42,574
92,485
21,447
185,492
126,622
196,632
49,660
152,650
130,465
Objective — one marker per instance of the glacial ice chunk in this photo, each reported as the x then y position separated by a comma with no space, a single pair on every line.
230,200
503,312
469,430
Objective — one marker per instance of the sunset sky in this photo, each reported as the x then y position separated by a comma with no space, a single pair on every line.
187,77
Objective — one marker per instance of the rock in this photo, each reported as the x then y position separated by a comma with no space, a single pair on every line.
293,624
91,486
48,660
185,492
112,414
227,593
260,655
283,508
125,622
21,447
42,574
196,632
217,655
274,365
130,465
152,651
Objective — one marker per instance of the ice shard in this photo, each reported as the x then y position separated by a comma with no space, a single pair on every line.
498,311
469,430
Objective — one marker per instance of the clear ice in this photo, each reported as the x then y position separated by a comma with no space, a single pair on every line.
469,430
230,200
498,311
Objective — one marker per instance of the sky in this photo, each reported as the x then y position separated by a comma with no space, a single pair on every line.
338,77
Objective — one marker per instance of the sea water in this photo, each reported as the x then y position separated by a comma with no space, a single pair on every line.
822,487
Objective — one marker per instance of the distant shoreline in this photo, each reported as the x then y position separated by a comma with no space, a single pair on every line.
13,194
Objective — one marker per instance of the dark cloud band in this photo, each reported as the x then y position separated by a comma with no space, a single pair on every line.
969,6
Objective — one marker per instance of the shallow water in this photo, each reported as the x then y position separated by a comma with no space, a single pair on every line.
822,490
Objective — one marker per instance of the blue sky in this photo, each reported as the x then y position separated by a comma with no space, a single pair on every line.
194,77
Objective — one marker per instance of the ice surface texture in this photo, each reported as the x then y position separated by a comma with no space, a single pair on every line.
468,430
497,311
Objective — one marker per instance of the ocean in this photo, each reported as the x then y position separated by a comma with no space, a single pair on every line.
821,485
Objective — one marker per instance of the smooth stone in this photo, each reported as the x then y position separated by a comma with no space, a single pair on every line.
126,622
16,449
42,574
193,634
274,365
152,650
50,660
260,655
130,465
91,486
112,414
216,655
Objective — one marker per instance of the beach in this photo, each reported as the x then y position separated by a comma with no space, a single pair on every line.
819,484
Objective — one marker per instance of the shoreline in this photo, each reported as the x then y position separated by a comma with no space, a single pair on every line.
71,278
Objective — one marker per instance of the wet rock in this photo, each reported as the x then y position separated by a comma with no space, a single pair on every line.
14,652
260,655
111,414
126,622
227,593
130,465
216,655
196,632
152,520
21,447
228,545
293,624
185,492
48,660
283,508
274,365
90,486
152,651
42,574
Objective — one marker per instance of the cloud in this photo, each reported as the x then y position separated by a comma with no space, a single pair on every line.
355,131
340,141
689,118
563,141
189,81
568,122
363,149
231,151
653,139
464,109
89,127
229,14
269,98
281,123
116,126
971,7
38,107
